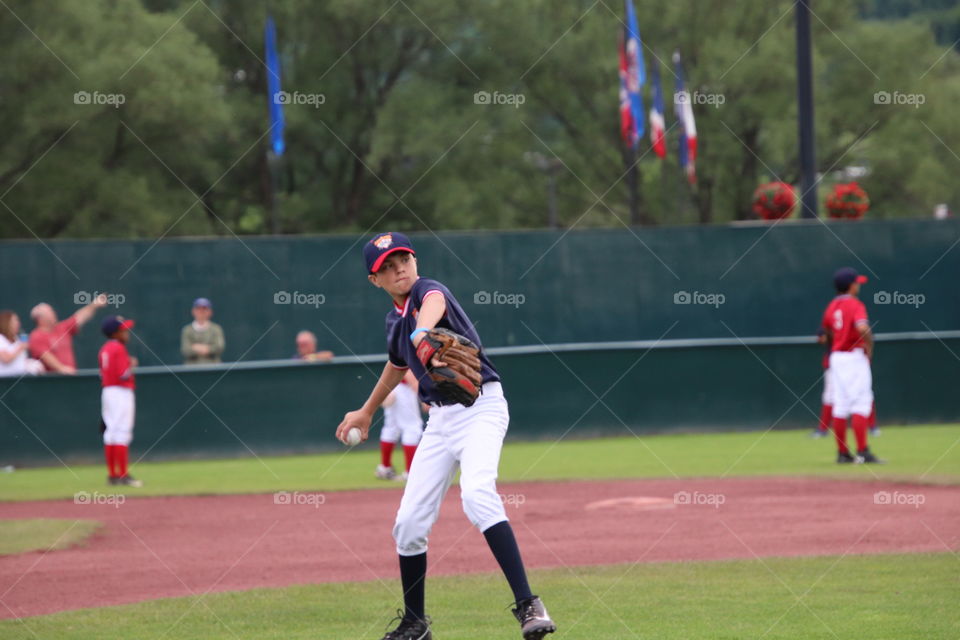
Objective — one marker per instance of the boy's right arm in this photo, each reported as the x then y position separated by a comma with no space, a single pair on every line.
362,417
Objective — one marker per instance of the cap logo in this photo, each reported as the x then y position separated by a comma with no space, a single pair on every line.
383,241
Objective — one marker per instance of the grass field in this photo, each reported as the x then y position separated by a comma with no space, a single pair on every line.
925,453
18,536
900,597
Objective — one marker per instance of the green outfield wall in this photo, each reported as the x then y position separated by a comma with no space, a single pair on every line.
554,391
712,302
576,286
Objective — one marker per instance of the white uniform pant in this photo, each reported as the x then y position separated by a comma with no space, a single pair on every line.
401,420
827,397
456,436
852,383
117,409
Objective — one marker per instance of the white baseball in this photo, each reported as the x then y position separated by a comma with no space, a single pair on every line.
353,437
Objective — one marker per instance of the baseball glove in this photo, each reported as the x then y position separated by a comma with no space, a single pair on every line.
459,381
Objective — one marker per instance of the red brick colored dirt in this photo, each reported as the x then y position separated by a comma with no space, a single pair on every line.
180,546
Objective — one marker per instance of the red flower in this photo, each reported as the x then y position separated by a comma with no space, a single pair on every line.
774,200
848,201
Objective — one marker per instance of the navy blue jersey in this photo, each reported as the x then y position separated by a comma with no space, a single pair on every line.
402,321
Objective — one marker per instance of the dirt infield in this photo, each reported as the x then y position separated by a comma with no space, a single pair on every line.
180,546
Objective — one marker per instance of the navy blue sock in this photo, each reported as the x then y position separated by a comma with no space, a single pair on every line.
504,547
413,571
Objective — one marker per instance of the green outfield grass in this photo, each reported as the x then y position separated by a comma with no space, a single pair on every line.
900,597
927,453
18,536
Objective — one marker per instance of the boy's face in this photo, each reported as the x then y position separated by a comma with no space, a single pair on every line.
122,335
397,274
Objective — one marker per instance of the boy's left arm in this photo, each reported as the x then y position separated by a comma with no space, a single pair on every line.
431,310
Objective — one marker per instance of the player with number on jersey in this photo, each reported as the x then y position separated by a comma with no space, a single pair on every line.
847,331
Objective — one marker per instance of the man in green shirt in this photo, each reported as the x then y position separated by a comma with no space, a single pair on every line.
201,341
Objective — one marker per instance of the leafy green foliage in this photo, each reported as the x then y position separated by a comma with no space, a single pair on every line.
390,132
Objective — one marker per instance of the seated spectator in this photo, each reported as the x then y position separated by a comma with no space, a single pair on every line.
13,349
51,342
202,341
307,349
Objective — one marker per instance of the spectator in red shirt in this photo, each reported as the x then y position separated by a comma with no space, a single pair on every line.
117,406
51,342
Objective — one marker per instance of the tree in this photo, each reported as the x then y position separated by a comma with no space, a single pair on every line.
110,132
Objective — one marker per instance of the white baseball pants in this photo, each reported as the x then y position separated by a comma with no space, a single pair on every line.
456,436
401,420
827,397
852,383
117,408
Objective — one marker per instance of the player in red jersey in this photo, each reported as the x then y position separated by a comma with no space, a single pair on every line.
117,405
851,347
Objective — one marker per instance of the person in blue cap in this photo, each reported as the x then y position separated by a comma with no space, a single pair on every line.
468,437
201,341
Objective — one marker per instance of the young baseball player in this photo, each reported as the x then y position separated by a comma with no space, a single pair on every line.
117,405
851,347
826,407
402,422
468,436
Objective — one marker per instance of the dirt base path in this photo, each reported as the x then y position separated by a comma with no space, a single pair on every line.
179,546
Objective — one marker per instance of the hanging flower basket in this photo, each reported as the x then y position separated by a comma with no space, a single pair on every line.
847,201
774,200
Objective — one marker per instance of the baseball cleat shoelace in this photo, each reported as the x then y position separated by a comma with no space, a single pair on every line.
409,629
534,620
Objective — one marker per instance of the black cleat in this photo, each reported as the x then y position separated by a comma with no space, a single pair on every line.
865,457
844,457
534,620
113,481
409,630
129,481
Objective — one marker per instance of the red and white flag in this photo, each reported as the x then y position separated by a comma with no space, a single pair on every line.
658,125
683,106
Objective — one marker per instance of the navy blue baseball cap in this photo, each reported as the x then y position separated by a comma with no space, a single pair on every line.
203,302
112,324
846,276
382,245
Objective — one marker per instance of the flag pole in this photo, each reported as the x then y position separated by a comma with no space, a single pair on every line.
808,166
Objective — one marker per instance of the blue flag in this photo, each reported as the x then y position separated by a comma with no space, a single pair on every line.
636,71
273,88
